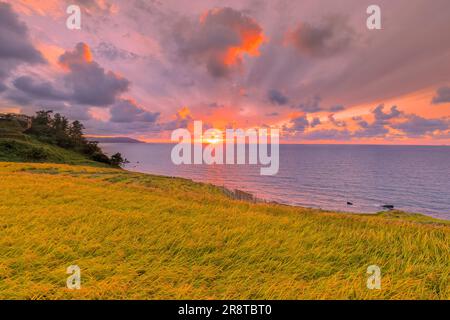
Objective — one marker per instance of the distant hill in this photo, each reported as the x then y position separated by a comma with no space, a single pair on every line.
114,140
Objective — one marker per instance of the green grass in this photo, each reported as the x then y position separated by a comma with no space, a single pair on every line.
29,149
15,146
138,236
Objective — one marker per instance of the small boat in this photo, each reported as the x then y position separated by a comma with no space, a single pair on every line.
388,206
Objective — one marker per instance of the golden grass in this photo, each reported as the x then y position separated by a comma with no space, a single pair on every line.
139,236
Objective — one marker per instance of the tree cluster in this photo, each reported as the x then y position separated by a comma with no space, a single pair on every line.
58,130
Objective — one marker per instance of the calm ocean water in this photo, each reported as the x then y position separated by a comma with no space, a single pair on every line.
412,178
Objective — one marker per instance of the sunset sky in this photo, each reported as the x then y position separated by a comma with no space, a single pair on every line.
309,68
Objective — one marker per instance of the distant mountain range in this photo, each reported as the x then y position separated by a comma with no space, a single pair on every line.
114,140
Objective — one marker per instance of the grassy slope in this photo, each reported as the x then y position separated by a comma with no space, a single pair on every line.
148,237
29,149
15,146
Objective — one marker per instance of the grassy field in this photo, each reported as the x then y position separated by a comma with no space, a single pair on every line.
138,236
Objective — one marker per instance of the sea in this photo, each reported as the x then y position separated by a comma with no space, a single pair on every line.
347,178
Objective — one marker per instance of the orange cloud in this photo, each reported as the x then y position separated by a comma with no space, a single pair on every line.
221,39
183,113
250,45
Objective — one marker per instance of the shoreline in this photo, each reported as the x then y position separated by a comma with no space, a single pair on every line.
239,194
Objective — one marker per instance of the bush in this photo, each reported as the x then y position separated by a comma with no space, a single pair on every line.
36,154
57,130
100,157
7,145
117,160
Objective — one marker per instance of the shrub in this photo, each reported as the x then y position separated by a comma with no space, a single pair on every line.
117,160
100,157
36,154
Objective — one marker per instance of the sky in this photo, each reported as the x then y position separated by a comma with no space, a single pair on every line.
310,68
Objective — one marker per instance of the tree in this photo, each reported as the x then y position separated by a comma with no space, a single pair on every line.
43,118
116,160
41,125
60,126
58,131
76,133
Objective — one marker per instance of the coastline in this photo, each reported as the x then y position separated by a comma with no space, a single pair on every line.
242,195
345,174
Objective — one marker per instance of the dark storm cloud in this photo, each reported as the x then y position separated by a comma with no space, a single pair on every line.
125,111
277,97
410,125
416,126
87,84
380,126
218,40
442,95
331,37
297,125
18,97
38,89
381,116
15,45
311,105
15,42
361,122
91,84
109,51
372,130
315,122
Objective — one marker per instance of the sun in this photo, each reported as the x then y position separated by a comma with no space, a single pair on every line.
213,140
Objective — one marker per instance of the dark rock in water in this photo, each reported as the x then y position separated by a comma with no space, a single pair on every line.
388,206
349,203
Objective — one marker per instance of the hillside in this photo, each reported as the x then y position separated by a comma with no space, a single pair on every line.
29,149
12,128
138,236
49,138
